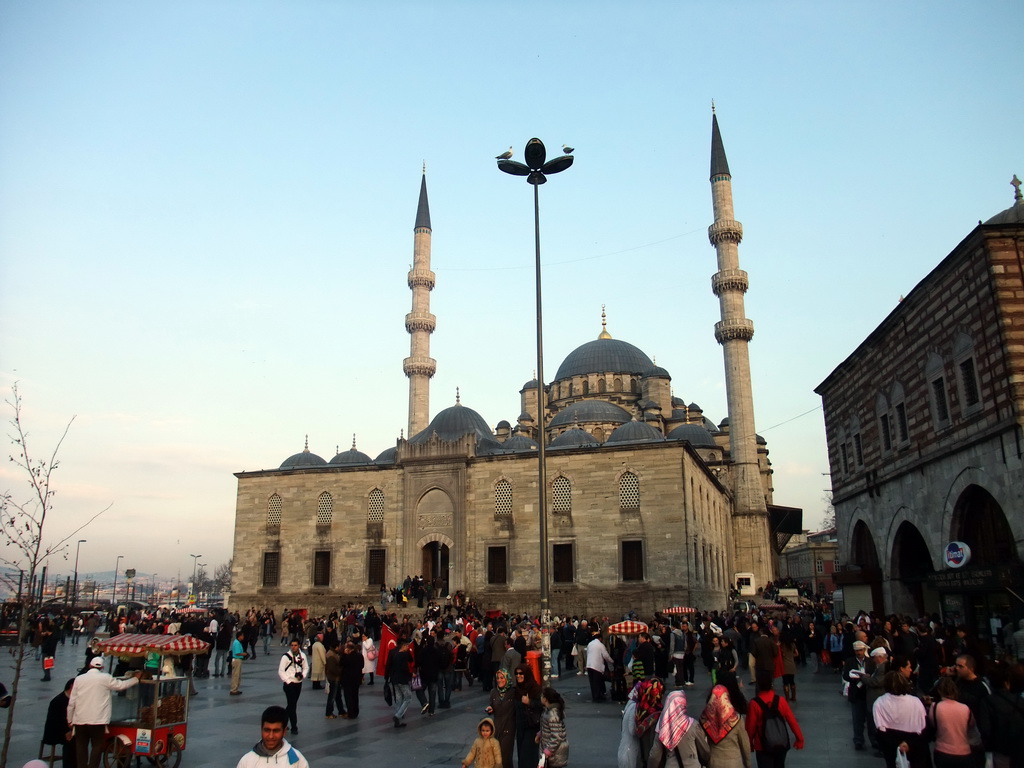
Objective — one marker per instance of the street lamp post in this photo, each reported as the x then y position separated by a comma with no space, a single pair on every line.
195,589
113,597
195,559
536,169
74,592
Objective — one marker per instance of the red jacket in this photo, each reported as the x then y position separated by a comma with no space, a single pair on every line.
755,715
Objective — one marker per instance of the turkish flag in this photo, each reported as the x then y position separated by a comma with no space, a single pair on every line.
388,640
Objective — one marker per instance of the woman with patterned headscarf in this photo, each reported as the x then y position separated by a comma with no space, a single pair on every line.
630,753
649,695
678,733
729,744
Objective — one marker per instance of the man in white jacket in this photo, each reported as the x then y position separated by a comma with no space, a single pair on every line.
273,749
293,669
89,710
598,659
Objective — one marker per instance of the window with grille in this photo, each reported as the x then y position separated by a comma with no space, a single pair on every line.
901,422
939,399
563,569
858,450
271,568
321,569
324,509
376,560
632,561
629,492
886,432
274,511
969,380
502,500
375,506
819,566
561,496
497,565
846,457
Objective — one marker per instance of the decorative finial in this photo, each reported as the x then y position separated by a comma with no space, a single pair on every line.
401,434
712,106
654,359
458,401
353,441
306,448
337,449
424,167
604,325
1015,183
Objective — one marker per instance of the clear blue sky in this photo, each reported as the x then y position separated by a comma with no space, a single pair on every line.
206,216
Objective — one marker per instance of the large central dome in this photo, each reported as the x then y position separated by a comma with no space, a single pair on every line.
604,355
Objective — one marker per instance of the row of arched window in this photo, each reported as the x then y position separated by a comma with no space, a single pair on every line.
325,509
572,389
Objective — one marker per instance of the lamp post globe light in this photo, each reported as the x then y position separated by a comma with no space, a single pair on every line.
192,589
536,169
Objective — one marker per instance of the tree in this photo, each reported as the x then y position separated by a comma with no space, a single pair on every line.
828,521
22,526
222,577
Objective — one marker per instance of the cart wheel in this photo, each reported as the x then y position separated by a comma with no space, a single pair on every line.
117,754
171,758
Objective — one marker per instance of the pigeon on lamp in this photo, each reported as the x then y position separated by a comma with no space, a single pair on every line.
567,149
505,155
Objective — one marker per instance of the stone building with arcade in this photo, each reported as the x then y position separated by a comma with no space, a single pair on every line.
925,428
650,502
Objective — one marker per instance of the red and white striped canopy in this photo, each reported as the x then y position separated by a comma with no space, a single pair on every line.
627,628
772,607
140,645
191,609
677,609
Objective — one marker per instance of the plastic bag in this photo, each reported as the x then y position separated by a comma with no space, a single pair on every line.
902,761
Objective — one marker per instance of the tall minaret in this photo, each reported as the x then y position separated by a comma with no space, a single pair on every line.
420,366
752,550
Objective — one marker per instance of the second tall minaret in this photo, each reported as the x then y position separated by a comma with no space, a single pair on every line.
420,366
751,539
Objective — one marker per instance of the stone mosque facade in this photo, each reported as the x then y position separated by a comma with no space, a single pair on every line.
650,504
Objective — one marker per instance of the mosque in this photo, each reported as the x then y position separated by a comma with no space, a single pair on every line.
649,503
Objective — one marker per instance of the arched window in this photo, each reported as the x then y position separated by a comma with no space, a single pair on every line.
629,492
274,511
375,506
586,387
503,497
633,385
617,385
324,509
601,386
598,434
561,496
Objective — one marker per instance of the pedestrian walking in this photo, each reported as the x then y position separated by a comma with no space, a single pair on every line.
678,741
768,718
553,740
292,670
728,742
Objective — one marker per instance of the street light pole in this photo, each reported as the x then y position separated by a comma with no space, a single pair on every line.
74,592
195,559
113,596
536,170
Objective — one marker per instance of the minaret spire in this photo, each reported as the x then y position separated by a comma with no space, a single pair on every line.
420,366
751,539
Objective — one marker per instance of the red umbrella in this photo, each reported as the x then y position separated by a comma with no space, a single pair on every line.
677,609
627,628
140,645
191,609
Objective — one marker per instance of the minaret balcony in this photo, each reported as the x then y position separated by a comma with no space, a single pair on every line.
729,280
725,230
421,277
731,330
419,366
420,321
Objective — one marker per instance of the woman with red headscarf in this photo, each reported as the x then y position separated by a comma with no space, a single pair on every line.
727,740
678,733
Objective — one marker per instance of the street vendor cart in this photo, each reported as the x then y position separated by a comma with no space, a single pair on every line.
151,719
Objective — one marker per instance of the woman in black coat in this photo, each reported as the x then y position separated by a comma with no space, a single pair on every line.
528,712
351,677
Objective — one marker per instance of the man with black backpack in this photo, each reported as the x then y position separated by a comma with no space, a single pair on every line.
769,721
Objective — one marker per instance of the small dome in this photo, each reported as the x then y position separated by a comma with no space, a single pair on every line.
503,425
519,443
573,438
657,372
584,411
760,440
486,446
678,402
524,416
694,434
304,459
351,456
709,425
531,384
1015,213
454,422
695,407
650,405
635,432
605,355
723,425
387,456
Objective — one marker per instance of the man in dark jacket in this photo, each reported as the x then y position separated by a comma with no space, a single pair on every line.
56,730
397,672
856,672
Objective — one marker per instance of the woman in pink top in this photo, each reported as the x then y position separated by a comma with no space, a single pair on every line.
954,727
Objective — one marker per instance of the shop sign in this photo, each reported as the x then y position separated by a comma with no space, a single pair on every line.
957,554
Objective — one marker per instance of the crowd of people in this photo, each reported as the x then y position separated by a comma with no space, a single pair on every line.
920,693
